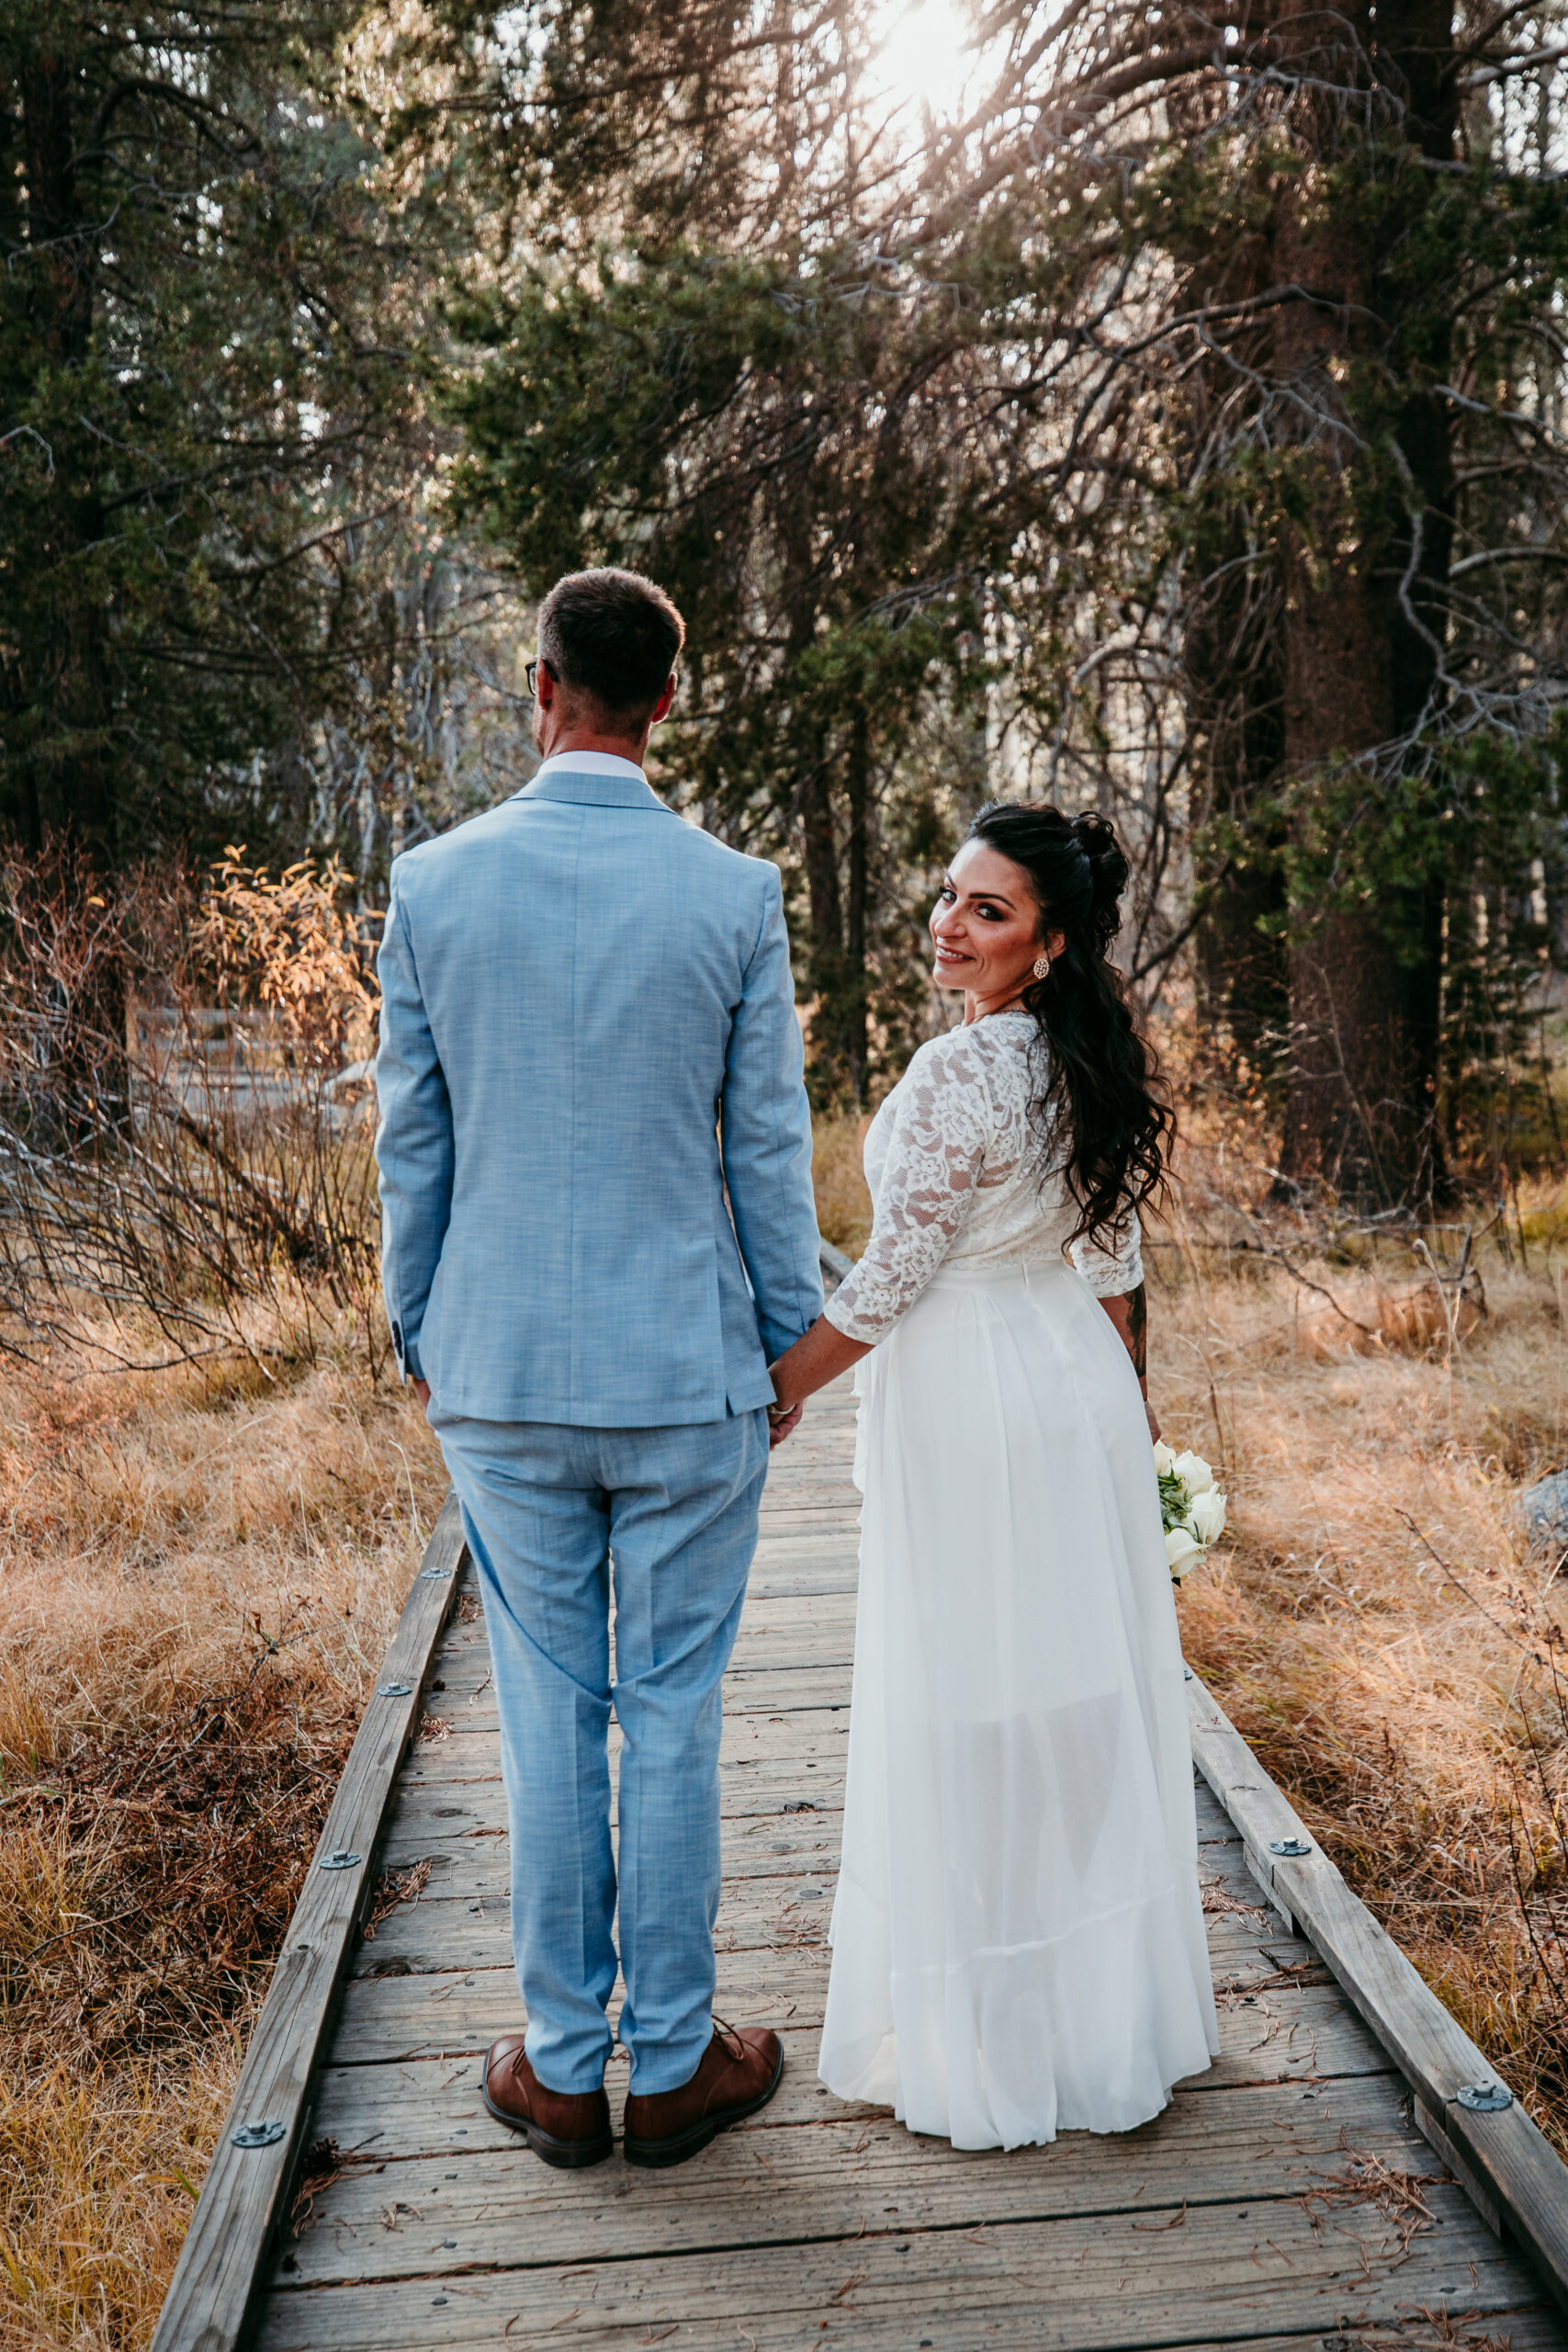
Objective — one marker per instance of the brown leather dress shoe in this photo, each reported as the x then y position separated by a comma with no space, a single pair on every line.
570,2129
740,2073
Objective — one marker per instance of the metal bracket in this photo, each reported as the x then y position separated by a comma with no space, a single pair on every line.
258,2135
1485,2099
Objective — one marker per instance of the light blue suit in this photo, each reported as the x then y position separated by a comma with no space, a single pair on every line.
587,1036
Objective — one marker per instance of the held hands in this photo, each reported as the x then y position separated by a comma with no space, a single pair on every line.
781,1419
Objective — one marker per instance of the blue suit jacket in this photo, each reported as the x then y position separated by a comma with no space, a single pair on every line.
588,1030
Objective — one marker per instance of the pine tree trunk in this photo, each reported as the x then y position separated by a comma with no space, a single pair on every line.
855,976
70,786
1360,659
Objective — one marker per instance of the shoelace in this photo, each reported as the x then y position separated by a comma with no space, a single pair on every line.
729,2038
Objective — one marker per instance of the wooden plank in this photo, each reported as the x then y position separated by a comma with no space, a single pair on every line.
779,1872
463,1694
745,1789
428,2107
1504,2158
776,1630
414,1927
780,1738
392,2018
455,1930
782,1900
385,2020
480,1873
1102,2283
836,1266
840,2174
460,1918
210,2296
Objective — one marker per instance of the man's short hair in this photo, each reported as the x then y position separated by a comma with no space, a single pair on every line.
612,637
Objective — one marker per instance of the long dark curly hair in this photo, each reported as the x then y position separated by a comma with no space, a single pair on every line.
1100,1100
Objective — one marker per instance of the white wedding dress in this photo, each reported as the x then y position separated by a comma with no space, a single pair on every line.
1018,1935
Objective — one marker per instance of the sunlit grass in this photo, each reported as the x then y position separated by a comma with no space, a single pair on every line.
100,2169
1377,1626
843,1205
166,1543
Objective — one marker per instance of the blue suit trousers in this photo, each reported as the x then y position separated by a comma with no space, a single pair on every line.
556,1518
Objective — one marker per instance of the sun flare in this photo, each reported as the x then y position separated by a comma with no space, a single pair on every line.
926,55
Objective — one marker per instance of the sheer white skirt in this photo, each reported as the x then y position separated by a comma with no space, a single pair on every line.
1017,1936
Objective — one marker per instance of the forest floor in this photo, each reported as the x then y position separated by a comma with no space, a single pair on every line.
199,1572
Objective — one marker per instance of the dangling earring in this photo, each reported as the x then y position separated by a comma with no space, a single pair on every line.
1043,967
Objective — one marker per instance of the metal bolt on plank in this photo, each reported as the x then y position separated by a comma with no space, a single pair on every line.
1485,2098
258,2135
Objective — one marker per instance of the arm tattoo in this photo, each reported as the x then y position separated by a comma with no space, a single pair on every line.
1138,1330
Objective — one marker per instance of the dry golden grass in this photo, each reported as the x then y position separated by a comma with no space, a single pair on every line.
843,1205
101,2167
1376,1624
198,1573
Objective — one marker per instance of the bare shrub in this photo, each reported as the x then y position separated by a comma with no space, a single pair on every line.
183,1073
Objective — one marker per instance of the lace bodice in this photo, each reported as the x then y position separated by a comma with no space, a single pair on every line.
954,1165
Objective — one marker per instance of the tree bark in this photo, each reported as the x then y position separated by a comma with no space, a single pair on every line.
69,787
1235,698
855,989
1363,622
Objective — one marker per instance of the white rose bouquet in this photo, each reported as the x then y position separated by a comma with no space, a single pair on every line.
1192,1508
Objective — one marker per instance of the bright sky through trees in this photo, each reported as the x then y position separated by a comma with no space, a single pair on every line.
928,55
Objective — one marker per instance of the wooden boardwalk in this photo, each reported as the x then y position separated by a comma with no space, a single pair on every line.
1285,2197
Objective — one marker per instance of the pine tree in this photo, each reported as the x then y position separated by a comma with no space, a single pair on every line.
208,387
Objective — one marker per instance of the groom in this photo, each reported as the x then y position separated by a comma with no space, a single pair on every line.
588,1038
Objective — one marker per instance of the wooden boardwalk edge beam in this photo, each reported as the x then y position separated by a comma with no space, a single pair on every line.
212,2299
1502,2159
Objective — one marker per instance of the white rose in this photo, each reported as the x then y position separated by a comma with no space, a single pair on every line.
1206,1515
1164,1458
1194,1473
1181,1549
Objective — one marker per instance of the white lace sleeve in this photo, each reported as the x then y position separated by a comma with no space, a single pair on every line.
1111,1273
935,1165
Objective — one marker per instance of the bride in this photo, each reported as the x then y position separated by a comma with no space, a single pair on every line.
1017,1936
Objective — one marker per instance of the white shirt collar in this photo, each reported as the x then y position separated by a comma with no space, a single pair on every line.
587,764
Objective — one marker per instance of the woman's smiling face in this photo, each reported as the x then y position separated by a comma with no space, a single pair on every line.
986,929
